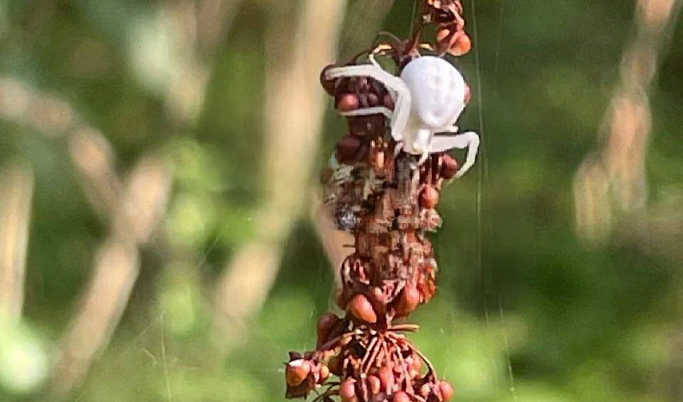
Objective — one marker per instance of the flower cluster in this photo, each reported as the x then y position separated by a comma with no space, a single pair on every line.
387,198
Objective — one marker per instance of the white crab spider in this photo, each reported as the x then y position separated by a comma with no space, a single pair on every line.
429,97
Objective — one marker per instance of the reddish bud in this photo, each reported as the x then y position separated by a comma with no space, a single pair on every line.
447,390
429,198
361,308
401,396
450,167
348,103
468,94
410,299
325,324
461,46
297,371
374,384
347,390
386,377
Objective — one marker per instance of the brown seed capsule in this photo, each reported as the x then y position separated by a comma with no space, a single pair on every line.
429,198
348,103
361,308
374,384
335,365
401,396
461,46
410,299
325,324
297,371
328,85
450,167
347,390
447,390
386,377
347,149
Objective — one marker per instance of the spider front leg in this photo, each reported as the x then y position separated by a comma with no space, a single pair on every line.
469,140
399,118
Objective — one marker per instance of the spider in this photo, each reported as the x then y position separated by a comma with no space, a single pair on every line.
429,97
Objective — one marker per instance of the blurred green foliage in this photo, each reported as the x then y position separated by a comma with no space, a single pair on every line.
524,312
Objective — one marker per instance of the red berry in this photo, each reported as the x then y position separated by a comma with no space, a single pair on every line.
410,299
374,384
429,198
347,390
348,103
450,167
461,46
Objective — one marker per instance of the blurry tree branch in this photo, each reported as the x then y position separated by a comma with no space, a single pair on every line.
615,173
133,211
16,190
294,110
117,267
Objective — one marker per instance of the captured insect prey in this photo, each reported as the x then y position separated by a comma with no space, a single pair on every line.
401,100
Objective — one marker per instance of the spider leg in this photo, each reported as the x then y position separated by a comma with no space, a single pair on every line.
423,158
469,140
399,121
369,111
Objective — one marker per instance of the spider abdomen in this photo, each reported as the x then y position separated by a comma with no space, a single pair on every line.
437,91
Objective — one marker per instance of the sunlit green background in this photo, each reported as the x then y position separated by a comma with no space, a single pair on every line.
525,310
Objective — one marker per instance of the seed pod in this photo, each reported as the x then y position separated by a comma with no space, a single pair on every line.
450,167
348,103
429,198
410,299
297,371
374,384
335,365
325,324
361,308
446,390
386,377
347,148
347,390
401,396
328,85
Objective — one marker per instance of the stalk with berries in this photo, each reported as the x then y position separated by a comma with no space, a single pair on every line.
401,100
